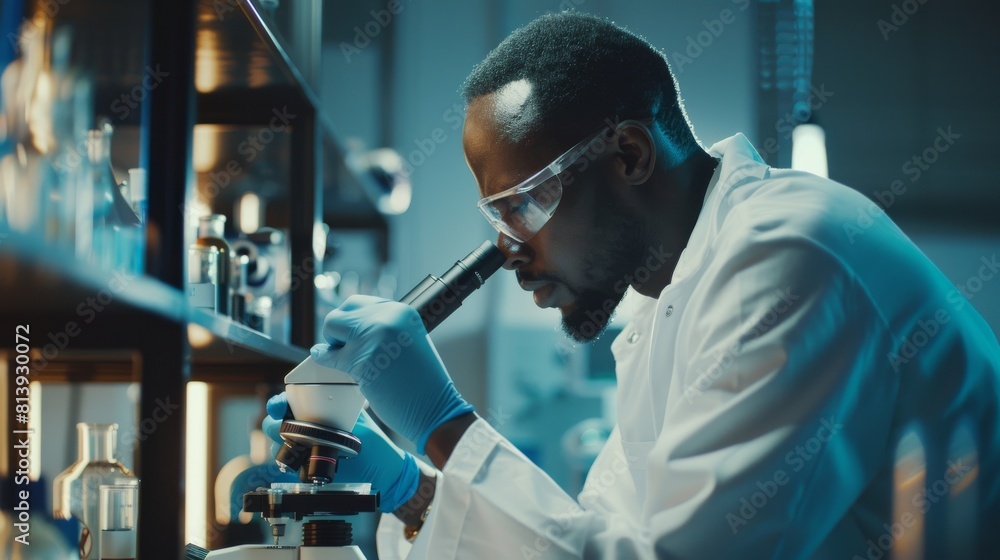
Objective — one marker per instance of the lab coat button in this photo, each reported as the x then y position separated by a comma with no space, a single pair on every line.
633,337
670,310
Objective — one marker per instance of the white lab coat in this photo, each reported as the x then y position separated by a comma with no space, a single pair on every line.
762,401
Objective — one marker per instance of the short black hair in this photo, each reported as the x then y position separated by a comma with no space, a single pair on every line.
585,69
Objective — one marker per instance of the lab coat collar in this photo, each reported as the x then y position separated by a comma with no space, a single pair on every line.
740,163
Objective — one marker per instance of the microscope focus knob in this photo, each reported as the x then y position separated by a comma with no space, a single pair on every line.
314,450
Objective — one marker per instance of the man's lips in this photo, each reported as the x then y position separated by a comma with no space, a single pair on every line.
547,294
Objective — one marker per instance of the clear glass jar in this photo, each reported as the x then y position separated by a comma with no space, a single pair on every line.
76,490
203,277
103,184
211,233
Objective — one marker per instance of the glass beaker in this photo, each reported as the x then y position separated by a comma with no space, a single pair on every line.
76,490
203,277
119,509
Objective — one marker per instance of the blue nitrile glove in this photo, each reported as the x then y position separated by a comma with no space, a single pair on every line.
383,346
389,469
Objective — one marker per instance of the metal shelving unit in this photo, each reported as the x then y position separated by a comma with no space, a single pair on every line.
145,331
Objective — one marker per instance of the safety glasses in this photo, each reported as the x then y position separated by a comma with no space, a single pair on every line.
520,211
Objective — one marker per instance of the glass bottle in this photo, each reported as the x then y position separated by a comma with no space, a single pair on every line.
72,117
27,176
139,203
103,186
76,490
211,233
203,279
116,225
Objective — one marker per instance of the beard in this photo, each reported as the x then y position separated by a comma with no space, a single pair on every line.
591,315
618,249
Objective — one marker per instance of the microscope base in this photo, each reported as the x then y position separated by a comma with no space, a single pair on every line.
265,552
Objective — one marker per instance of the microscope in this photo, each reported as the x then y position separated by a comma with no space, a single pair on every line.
325,403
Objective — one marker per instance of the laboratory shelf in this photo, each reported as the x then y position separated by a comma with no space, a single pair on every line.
245,62
235,352
44,284
86,314
198,62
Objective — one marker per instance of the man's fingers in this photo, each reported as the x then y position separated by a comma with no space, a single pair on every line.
341,324
277,406
358,301
272,428
338,327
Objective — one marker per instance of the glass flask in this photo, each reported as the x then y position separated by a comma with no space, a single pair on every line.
116,226
76,490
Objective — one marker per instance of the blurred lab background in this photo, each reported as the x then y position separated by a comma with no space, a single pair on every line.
326,160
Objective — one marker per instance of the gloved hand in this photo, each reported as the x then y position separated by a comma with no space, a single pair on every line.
389,469
383,346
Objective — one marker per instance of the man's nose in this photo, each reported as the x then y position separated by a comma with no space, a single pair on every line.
517,253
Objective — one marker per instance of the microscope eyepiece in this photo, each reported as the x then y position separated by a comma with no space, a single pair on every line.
437,298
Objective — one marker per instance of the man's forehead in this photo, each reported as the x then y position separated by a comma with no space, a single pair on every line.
511,111
497,160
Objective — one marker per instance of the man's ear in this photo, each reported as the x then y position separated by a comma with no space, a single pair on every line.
637,153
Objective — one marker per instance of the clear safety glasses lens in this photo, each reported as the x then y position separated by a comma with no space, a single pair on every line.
522,213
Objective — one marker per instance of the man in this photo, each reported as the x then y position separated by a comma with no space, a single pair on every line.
766,382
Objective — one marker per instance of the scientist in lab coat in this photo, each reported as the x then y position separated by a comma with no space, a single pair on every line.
796,382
